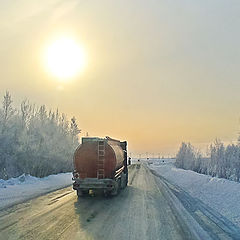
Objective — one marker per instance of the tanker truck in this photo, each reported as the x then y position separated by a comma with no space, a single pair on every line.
100,164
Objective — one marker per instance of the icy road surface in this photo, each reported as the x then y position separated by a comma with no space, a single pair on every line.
149,208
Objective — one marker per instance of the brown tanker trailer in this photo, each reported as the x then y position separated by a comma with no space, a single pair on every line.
100,164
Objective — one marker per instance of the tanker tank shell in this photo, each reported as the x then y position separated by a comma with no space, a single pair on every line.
86,157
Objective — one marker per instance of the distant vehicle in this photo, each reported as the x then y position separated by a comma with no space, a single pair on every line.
100,164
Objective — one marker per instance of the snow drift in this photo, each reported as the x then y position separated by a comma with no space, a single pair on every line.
24,187
220,194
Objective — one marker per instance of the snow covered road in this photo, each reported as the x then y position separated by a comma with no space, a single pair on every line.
149,208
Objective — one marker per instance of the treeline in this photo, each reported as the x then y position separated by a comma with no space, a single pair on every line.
222,161
34,140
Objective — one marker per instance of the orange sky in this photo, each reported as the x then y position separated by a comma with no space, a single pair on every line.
158,72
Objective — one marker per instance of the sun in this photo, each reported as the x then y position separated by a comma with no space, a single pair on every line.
64,58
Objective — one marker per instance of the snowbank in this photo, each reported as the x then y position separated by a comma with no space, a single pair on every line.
220,194
16,190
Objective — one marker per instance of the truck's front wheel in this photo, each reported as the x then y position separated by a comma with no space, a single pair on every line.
124,177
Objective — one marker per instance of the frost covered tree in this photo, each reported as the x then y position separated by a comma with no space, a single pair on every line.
185,157
217,159
223,162
26,112
232,158
9,132
7,110
74,130
35,140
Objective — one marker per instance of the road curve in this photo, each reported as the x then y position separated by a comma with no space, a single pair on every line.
146,209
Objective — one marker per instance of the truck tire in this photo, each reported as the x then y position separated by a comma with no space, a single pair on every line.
126,182
115,191
82,193
123,180
106,193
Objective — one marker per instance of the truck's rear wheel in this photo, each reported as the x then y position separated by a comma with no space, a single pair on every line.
116,189
82,193
123,180
126,182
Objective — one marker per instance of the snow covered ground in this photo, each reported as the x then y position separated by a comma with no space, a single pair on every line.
16,190
220,194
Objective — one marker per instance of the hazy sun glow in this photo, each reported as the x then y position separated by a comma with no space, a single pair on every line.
64,58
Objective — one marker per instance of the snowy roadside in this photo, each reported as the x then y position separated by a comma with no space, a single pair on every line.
220,194
17,190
